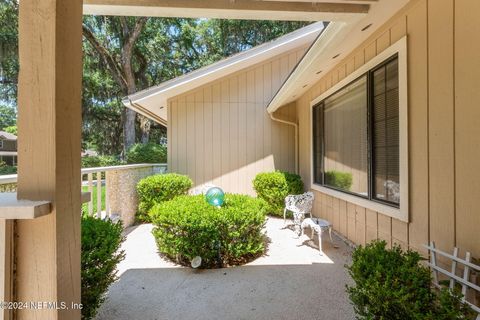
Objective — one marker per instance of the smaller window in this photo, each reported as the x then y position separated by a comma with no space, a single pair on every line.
1,144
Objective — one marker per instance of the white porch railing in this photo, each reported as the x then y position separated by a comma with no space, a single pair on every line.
465,281
91,178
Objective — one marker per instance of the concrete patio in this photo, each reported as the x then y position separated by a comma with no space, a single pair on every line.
292,281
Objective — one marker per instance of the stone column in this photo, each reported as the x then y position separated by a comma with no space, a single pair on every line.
122,192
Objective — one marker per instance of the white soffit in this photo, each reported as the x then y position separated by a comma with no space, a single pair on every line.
152,102
337,41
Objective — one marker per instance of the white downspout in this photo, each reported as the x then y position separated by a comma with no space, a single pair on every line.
295,126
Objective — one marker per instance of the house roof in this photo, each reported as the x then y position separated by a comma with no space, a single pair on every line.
7,135
152,102
334,44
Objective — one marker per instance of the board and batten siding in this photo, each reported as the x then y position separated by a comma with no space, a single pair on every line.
444,130
221,132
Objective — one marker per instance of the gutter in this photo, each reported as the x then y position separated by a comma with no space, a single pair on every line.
295,126
127,102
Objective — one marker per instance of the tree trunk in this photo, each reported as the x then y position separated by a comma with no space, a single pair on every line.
129,129
122,71
145,125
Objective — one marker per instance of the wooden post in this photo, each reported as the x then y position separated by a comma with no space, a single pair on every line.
49,125
6,256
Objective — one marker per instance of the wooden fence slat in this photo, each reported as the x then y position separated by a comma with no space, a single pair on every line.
464,281
90,189
454,267
471,265
99,194
107,204
466,274
433,261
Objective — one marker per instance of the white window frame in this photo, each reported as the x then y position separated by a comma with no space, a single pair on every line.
401,213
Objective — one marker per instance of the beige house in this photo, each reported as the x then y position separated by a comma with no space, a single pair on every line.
370,99
8,148
407,175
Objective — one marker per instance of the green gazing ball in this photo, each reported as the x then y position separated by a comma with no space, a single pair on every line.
215,196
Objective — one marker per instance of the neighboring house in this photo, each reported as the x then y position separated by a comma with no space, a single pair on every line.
8,148
384,100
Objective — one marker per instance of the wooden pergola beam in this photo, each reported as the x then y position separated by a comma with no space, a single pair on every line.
227,9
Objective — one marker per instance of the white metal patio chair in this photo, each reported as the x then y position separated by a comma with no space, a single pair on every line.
299,205
317,225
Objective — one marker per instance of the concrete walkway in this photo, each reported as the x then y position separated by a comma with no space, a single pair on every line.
292,281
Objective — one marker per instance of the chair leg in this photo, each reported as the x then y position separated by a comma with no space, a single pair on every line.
285,216
320,241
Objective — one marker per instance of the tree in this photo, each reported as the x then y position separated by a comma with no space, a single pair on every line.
11,129
8,116
125,54
8,52
115,43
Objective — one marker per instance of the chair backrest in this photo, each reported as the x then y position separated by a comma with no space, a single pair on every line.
300,203
393,190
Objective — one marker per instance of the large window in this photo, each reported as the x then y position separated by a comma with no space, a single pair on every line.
356,136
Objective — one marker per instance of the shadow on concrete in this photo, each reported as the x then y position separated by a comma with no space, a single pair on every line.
313,291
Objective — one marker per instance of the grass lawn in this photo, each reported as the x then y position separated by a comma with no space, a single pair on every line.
94,199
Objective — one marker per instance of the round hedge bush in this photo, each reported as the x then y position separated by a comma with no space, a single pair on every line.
273,187
147,153
158,188
188,226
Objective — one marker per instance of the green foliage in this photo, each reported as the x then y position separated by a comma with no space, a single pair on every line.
338,179
6,169
9,116
188,226
166,48
100,161
273,187
147,153
11,129
448,305
8,61
158,188
94,196
391,284
101,240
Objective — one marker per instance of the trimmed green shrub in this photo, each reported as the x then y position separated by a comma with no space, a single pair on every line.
6,169
147,153
101,240
338,179
273,187
160,187
100,161
391,284
188,226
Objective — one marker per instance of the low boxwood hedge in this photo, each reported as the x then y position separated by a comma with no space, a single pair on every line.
273,187
101,240
188,226
392,284
158,188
